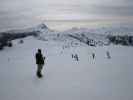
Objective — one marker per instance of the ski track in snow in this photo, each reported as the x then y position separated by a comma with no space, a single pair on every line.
64,77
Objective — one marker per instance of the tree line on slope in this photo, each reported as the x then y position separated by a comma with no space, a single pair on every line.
124,40
6,38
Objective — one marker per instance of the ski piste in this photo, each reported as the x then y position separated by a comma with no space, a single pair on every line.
64,77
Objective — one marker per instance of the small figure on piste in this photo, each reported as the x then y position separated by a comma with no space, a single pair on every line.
40,63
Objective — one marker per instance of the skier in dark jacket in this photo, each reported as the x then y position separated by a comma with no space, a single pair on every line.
40,62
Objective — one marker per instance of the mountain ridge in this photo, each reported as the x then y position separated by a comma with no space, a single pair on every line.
92,37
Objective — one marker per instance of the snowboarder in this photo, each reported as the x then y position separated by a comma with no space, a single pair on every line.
93,55
75,57
40,62
108,55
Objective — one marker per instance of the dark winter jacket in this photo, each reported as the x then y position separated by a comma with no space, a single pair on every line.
39,58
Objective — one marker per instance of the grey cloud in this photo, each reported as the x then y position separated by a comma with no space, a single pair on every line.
115,10
123,10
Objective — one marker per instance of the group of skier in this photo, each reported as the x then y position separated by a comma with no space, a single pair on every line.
40,60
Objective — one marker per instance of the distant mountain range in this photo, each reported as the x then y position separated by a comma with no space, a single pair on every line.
91,37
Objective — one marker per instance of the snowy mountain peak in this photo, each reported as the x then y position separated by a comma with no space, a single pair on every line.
42,26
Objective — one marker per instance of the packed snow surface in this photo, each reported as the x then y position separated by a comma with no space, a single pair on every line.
65,78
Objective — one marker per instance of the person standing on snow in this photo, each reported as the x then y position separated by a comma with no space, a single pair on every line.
93,55
108,55
40,62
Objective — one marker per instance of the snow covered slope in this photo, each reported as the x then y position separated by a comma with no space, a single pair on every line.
72,71
65,78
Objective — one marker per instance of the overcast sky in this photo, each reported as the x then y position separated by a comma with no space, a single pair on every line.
36,10
68,9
